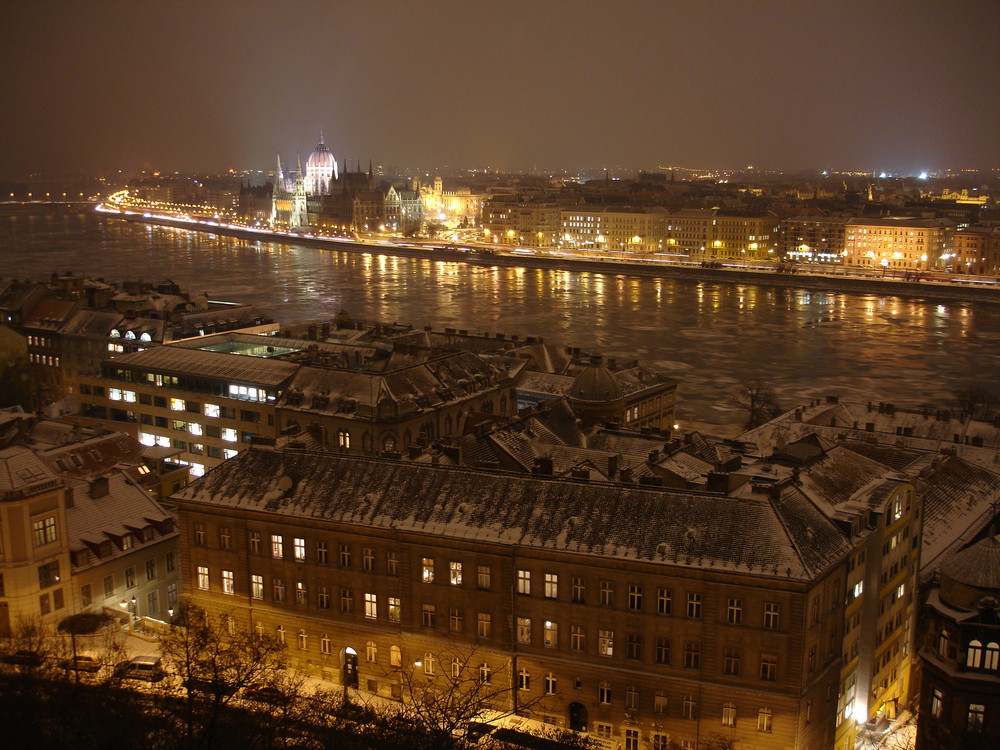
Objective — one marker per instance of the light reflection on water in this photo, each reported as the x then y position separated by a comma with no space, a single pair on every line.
709,336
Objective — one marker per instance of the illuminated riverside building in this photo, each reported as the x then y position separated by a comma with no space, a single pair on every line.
812,239
901,243
530,224
639,614
613,229
977,250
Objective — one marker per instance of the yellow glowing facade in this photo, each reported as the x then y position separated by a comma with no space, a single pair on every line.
708,234
608,229
902,243
977,250
523,224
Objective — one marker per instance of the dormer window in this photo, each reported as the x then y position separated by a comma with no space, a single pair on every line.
130,335
115,333
128,541
145,336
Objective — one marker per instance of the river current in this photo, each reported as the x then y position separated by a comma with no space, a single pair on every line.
709,337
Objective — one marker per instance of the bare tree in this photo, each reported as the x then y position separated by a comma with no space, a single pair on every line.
454,688
215,659
759,401
975,402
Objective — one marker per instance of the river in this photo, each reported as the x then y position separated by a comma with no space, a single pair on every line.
710,337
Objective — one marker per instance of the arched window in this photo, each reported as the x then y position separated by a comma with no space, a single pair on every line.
389,443
344,440
974,656
130,335
395,657
144,336
115,333
992,655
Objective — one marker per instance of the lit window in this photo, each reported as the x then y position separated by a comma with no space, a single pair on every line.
455,573
524,630
606,642
551,634
551,586
729,715
524,582
211,410
176,404
257,586
394,609
203,577
764,720
371,606
229,434
228,583
300,548
427,569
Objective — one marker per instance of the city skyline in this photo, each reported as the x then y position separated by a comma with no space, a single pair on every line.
784,86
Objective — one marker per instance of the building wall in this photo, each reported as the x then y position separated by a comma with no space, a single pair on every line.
577,668
906,245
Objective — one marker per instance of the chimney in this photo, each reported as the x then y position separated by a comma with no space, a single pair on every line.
612,465
543,466
99,488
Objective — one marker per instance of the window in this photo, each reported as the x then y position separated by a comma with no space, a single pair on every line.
303,640
279,589
551,586
631,739
228,582
456,668
368,559
225,537
768,667
427,615
44,531
229,434
322,553
633,646
176,404
85,595
977,718
203,577
427,569
257,586
992,655
603,730
524,630
456,620
771,615
550,634
150,570
937,703
694,605
577,638
689,709
523,680
392,563
729,715
485,673
606,642
604,692
277,547
324,644
579,589
635,597
734,611
346,601
692,655
550,684
455,573
371,652
484,577
395,656
632,698
524,582
345,555
484,625
255,542
662,650
664,600
607,594
943,643
109,586
300,594
394,609
764,720
974,655
660,702
299,548
152,603
344,439
731,662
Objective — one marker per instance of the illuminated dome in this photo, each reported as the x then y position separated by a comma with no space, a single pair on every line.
321,169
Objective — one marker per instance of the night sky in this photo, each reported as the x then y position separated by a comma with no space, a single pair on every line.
205,86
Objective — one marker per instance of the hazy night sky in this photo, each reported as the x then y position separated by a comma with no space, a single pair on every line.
179,85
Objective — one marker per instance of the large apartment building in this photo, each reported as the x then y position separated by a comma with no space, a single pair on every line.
899,243
637,614
211,397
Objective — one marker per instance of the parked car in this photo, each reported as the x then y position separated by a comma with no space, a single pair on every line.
265,694
208,687
24,658
147,668
82,663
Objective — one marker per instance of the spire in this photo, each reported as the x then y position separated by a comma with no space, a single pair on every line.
299,157
321,136
279,175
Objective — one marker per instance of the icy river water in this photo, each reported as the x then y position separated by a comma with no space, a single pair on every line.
709,337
